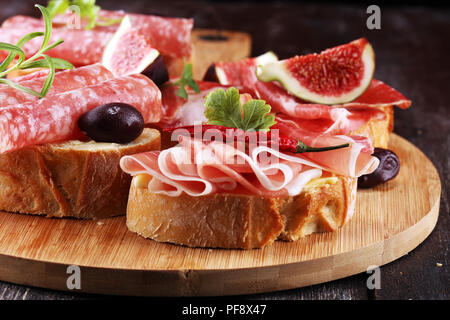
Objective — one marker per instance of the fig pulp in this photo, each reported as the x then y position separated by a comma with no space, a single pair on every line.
129,52
229,73
337,75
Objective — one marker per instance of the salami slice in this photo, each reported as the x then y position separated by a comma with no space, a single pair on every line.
64,81
80,47
20,21
55,118
170,36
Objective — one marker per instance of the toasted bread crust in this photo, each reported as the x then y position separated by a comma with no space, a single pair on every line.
378,130
237,221
71,179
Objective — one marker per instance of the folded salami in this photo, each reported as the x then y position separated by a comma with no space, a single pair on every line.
55,117
170,36
64,81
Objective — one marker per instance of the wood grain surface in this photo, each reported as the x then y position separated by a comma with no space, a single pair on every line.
389,221
412,56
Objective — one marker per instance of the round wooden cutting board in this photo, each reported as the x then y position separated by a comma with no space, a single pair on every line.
389,221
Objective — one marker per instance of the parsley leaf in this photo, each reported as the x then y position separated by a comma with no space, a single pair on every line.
224,108
186,79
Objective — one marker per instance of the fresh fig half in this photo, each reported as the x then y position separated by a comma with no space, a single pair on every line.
129,52
226,73
334,76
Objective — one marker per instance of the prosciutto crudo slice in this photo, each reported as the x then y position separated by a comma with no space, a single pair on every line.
336,119
170,36
199,168
353,161
177,111
64,81
55,118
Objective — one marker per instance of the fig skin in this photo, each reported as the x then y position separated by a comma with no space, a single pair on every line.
157,71
113,122
387,170
210,74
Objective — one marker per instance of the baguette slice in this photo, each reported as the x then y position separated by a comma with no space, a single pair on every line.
239,221
70,179
378,130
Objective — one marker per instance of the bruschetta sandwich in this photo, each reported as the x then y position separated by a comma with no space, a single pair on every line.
210,186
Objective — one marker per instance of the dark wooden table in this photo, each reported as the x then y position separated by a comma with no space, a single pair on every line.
412,55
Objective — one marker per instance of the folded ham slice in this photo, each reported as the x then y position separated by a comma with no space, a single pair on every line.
199,168
353,161
64,81
54,118
211,168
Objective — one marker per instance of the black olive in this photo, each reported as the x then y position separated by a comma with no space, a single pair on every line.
388,168
113,122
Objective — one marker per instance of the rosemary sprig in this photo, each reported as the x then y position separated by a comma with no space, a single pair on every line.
38,60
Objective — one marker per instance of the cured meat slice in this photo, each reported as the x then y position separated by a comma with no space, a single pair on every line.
64,81
177,111
198,168
80,47
170,36
174,172
55,118
380,94
317,117
33,75
336,119
353,161
20,21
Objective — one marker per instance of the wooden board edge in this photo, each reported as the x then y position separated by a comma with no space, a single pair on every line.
212,282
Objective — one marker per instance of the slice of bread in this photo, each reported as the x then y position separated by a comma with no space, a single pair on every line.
245,221
70,179
239,221
378,130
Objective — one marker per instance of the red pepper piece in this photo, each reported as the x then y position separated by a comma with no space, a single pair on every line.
285,143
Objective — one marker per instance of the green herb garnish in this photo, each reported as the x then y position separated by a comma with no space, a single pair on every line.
186,79
86,8
38,60
224,108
